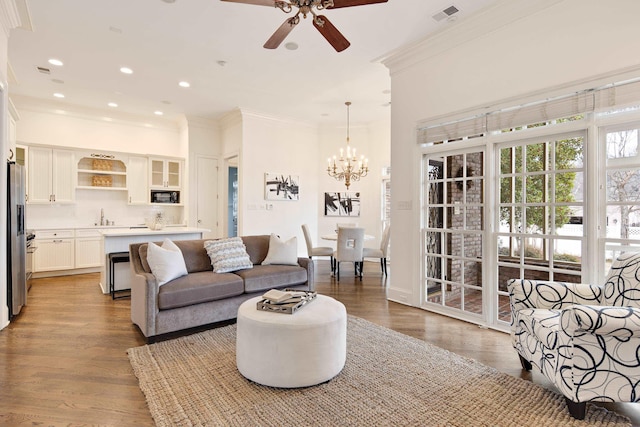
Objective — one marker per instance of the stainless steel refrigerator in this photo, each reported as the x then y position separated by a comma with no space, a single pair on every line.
16,240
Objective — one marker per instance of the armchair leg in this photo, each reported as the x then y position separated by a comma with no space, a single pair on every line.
526,365
577,409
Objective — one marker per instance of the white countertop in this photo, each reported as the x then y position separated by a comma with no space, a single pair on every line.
146,231
97,227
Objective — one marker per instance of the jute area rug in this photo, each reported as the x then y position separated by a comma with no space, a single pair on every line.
389,379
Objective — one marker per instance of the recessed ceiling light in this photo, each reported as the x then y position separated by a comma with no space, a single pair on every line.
291,46
54,61
57,81
221,63
184,84
169,1
112,104
126,70
158,113
58,95
386,91
166,102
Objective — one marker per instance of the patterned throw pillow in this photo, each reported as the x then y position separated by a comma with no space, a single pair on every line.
228,254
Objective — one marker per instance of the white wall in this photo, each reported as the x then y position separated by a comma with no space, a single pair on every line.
372,140
277,146
516,48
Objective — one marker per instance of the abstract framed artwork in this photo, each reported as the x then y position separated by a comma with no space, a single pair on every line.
342,204
279,186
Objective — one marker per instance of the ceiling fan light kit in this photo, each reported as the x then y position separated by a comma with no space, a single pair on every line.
306,7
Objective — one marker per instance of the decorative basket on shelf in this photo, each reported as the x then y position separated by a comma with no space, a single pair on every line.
101,181
102,165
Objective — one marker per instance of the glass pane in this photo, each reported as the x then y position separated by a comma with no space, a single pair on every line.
505,160
504,248
623,185
536,221
474,191
434,291
518,190
453,296
473,245
536,275
474,217
623,222
517,246
518,161
536,157
566,253
534,248
622,144
433,267
455,245
504,310
568,221
432,244
434,219
535,188
473,273
506,222
568,153
473,301
569,187
505,190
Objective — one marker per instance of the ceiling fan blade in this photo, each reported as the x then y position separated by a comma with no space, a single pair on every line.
331,33
349,3
271,3
281,33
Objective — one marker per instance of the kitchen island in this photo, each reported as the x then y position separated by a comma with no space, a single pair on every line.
118,240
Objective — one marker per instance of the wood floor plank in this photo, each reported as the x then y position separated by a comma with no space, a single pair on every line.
63,360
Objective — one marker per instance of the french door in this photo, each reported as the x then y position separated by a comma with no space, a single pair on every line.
453,227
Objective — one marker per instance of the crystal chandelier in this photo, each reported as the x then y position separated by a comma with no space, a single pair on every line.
348,168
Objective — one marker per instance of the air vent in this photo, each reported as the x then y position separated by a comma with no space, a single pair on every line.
446,13
44,70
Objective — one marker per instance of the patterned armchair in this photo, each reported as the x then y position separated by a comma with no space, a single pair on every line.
584,338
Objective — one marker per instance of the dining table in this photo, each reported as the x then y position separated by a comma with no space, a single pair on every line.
334,237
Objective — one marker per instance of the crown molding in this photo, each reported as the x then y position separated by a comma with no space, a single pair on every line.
497,15
10,15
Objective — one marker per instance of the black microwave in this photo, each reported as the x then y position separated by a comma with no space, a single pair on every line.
164,196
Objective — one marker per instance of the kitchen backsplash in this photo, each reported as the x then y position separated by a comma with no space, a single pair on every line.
86,211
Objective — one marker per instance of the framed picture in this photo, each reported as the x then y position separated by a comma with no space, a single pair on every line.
281,187
342,204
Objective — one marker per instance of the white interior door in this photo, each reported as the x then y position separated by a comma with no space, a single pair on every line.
207,194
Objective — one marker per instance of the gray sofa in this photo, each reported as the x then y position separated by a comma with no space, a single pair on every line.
202,296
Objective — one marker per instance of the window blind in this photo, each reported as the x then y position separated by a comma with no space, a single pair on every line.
614,96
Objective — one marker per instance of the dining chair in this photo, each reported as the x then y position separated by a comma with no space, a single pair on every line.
345,224
380,252
349,248
317,250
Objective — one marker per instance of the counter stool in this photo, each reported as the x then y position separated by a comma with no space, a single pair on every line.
114,258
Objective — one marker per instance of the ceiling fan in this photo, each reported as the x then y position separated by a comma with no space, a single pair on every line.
305,7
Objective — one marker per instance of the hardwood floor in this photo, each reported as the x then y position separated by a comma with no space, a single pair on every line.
63,360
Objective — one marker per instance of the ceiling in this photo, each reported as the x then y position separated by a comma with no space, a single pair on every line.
216,47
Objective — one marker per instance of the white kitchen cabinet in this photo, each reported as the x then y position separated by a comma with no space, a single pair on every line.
88,249
137,181
165,173
55,250
52,176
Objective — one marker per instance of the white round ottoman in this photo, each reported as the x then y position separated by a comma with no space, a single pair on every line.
292,350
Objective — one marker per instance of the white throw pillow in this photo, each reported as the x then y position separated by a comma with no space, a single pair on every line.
228,254
166,261
282,252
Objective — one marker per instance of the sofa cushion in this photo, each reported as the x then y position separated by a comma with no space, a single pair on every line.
257,247
265,277
196,288
228,254
281,251
166,261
